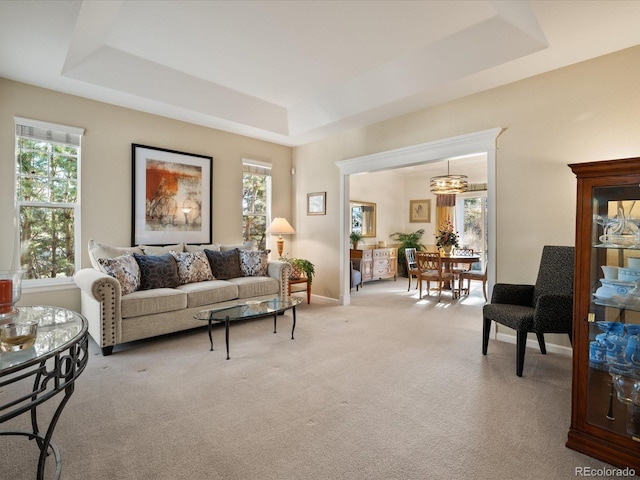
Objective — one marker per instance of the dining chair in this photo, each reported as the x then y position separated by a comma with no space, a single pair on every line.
479,275
546,307
412,266
356,274
431,270
458,268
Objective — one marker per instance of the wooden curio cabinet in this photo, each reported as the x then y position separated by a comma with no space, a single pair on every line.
605,403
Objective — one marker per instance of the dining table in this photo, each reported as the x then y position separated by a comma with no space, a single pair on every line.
448,260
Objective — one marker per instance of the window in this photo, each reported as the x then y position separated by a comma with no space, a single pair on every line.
48,198
471,210
256,201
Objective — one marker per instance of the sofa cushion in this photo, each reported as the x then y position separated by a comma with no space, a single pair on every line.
253,263
248,245
161,250
125,269
149,302
192,267
256,286
200,248
224,265
207,293
157,271
99,250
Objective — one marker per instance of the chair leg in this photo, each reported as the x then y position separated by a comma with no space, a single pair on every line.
521,345
409,288
543,347
484,290
486,328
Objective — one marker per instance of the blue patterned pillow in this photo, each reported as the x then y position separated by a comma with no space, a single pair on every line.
157,271
224,265
253,263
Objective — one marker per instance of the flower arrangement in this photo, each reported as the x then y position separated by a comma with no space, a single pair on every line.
447,236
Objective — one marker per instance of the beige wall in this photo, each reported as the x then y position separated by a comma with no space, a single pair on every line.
585,112
106,168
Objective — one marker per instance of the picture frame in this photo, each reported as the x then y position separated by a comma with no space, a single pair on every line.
420,211
171,196
317,203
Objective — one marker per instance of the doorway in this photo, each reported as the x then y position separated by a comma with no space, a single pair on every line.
450,148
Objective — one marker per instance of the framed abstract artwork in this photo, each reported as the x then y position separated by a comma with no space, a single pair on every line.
171,198
419,211
316,203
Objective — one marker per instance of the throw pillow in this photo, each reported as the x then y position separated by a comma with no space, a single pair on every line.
192,267
253,263
157,271
224,265
124,269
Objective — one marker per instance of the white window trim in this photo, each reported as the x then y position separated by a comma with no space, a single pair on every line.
37,285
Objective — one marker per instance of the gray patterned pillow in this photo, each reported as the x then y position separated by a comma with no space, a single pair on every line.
192,267
124,269
253,263
157,271
224,265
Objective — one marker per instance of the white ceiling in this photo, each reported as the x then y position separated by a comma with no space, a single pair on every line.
293,72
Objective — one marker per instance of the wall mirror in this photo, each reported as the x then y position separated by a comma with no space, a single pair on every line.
363,218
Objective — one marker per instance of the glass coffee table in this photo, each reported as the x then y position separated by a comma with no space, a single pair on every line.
249,309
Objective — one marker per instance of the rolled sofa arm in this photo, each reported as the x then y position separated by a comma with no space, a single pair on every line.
100,300
280,271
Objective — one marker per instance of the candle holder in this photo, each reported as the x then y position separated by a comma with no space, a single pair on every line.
10,291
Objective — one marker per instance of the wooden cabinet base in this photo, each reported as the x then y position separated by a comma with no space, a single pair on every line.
595,447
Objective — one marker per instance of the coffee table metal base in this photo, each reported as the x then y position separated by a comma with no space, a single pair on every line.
241,312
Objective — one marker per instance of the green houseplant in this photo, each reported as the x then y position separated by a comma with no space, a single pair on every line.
407,240
355,237
300,266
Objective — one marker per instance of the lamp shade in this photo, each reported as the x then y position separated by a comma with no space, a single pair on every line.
280,226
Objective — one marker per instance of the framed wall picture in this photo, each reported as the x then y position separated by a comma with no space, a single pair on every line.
316,203
420,211
171,198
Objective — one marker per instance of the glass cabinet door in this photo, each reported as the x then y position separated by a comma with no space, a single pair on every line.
613,379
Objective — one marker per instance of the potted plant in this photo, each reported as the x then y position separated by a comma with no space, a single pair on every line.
407,240
299,267
447,237
355,237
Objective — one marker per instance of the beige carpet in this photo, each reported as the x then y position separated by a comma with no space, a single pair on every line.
388,388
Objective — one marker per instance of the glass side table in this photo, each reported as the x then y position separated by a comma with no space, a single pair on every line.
37,374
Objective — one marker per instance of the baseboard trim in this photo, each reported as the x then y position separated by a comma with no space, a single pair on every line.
533,343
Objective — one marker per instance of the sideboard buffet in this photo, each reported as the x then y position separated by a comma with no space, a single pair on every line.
605,403
377,263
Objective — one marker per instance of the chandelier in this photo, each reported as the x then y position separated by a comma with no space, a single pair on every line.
449,184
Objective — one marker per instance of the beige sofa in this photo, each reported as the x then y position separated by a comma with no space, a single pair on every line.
117,315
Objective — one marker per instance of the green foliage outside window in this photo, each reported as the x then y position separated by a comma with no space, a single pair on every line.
255,191
47,194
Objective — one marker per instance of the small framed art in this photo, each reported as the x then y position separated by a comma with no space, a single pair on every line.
420,211
316,203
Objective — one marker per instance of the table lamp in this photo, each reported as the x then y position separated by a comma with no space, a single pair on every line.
279,226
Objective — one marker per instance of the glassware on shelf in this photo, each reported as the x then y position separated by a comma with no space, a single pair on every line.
10,292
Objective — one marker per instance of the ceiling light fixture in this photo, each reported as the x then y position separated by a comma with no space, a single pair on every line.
449,184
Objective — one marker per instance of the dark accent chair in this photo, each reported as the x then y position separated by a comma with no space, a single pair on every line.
546,307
